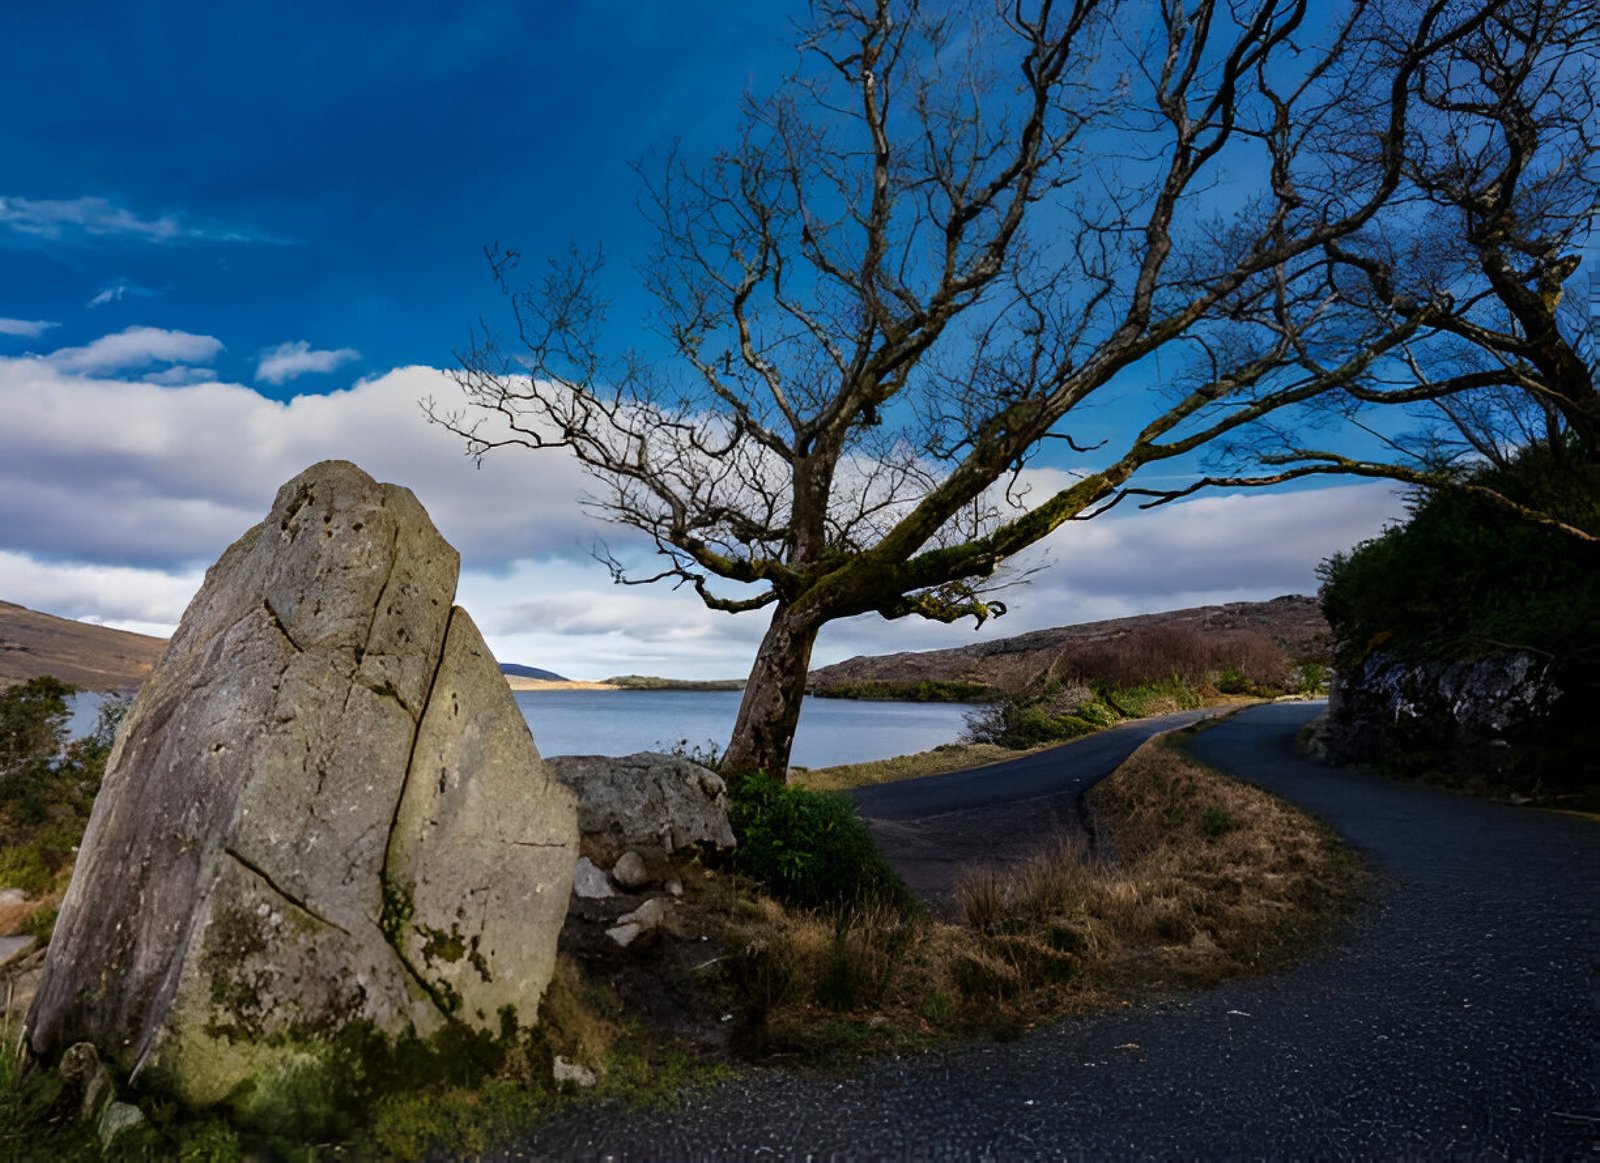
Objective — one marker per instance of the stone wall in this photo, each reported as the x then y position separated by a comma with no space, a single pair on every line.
1510,721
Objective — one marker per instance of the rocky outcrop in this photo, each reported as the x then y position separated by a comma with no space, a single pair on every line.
1508,720
646,802
324,817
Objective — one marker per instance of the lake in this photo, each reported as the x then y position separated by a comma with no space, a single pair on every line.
832,731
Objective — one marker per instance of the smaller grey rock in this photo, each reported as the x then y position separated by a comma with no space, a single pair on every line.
629,870
79,1062
646,801
81,1068
589,881
675,887
625,934
118,1119
573,1072
648,915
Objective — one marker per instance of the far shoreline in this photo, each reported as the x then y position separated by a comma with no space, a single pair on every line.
519,682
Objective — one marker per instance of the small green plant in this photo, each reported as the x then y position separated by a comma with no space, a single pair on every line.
809,848
40,924
1216,821
1311,678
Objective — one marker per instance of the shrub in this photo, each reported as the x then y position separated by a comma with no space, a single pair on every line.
1460,579
809,848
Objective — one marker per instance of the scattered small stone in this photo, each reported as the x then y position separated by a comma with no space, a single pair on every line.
573,1072
629,870
648,915
589,881
117,1119
81,1067
675,887
625,933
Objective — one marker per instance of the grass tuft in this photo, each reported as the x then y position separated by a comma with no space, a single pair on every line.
1213,880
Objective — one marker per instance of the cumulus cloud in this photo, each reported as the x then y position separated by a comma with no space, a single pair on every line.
88,217
119,470
147,601
288,360
27,328
116,493
1246,546
136,347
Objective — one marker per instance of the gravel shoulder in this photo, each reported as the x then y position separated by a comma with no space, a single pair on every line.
1455,1018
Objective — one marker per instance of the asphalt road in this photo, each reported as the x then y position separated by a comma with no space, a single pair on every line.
1070,769
941,829
1455,1018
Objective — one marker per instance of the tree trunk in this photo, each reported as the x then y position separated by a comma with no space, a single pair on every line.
770,710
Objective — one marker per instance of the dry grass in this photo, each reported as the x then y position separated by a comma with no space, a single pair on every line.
1213,879
948,757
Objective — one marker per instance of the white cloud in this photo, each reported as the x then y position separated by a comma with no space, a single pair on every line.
56,218
118,291
115,494
136,347
174,376
116,470
124,597
288,360
27,328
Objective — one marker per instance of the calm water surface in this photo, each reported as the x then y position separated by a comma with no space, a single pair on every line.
620,722
831,730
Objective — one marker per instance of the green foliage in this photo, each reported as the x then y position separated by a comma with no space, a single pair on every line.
809,848
33,726
1152,697
1048,712
47,784
1460,579
1216,821
922,691
1311,678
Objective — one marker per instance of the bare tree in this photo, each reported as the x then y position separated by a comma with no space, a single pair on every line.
939,249
1465,285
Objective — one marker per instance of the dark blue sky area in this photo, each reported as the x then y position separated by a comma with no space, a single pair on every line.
331,173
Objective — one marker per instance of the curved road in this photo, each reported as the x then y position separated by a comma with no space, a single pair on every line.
941,828
1456,1018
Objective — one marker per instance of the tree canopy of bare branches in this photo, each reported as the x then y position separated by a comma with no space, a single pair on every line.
961,233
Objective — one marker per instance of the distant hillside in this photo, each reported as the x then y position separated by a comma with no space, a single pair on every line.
520,671
1294,623
93,657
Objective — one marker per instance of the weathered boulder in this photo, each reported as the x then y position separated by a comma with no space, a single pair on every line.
647,801
1509,720
324,817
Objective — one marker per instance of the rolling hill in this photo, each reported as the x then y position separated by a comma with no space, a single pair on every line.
94,657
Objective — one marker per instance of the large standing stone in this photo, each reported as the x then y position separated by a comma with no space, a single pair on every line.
324,814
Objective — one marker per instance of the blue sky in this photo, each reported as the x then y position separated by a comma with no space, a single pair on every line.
235,239
329,174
